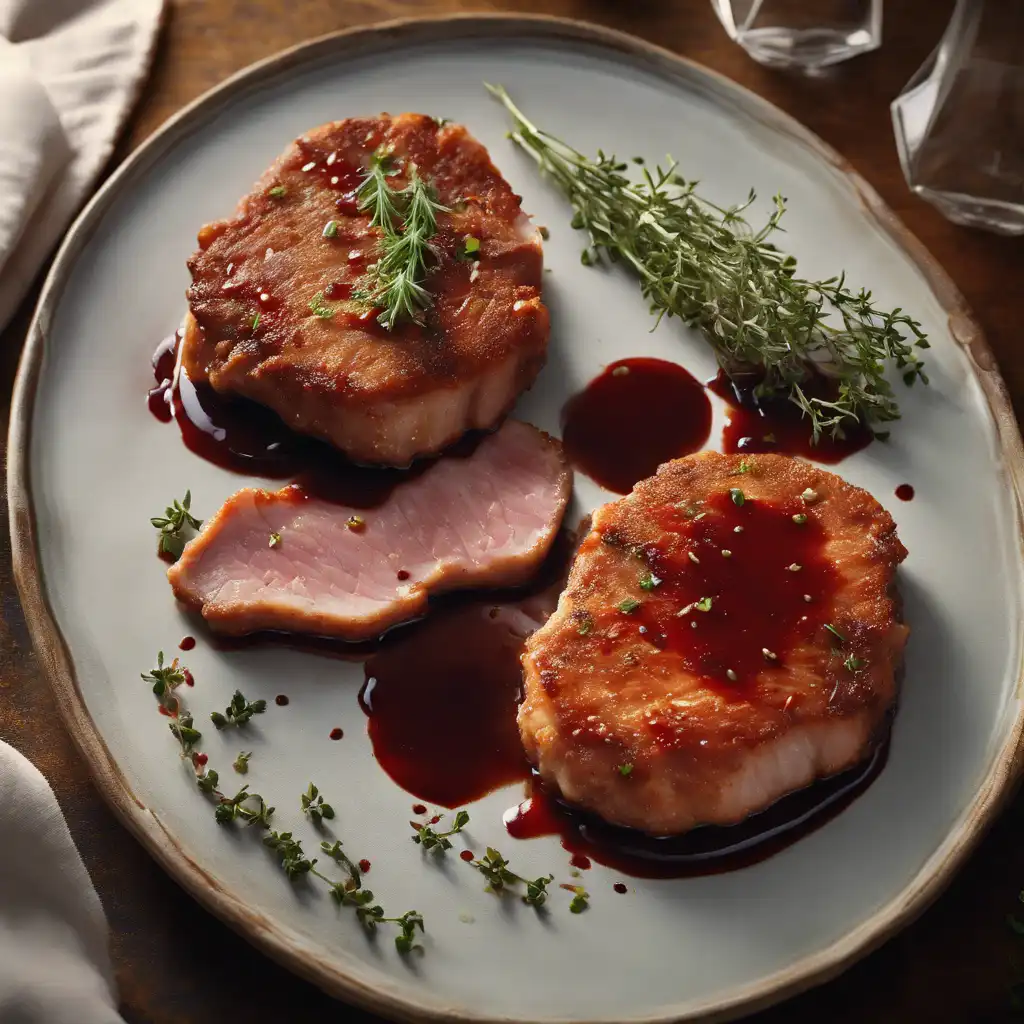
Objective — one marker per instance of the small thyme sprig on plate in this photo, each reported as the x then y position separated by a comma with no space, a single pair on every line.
395,280
241,763
705,264
238,712
431,840
165,679
500,878
175,521
312,803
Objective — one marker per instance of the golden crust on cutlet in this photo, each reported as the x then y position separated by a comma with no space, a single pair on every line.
683,686
272,316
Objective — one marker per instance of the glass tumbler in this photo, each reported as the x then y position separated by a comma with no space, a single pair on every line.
959,122
805,35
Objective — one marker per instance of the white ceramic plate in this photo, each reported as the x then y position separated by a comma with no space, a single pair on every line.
89,466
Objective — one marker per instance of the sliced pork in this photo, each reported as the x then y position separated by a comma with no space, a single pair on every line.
275,313
289,560
730,632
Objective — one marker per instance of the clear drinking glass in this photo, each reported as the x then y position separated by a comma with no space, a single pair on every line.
959,122
806,35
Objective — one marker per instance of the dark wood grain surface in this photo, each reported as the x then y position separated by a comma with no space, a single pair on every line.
175,963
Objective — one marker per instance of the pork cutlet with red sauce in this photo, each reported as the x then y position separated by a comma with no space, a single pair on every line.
730,632
271,314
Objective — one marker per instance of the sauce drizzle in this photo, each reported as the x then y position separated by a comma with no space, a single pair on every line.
637,414
708,850
776,425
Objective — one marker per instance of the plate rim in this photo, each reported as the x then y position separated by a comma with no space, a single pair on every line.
284,945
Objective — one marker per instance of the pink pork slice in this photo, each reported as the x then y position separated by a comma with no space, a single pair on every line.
484,520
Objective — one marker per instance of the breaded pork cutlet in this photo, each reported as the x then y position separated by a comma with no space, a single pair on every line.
730,632
274,308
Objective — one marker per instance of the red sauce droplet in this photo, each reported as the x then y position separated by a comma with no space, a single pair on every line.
905,492
636,415
402,574
338,290
581,861
187,643
467,855
743,603
201,759
169,712
619,887
336,733
704,851
189,681
281,700
778,425
364,865
455,675
419,809
435,819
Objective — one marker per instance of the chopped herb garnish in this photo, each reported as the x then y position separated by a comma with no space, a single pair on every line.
241,763
853,663
625,770
275,540
738,497
319,308
331,229
800,519
431,840
471,248
238,712
648,581
177,518
703,605
277,192
584,623
743,467
580,900
256,320
629,605
835,632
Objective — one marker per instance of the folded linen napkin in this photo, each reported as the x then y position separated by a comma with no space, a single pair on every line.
69,73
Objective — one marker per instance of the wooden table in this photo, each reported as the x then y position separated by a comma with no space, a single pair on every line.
177,964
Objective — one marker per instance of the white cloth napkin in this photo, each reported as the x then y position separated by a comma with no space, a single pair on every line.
70,71
54,966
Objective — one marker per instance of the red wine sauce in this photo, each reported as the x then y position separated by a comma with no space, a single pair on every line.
707,850
777,425
636,415
905,492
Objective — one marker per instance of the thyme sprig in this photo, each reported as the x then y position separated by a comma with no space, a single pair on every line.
705,264
500,878
238,712
429,839
407,218
176,521
314,807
